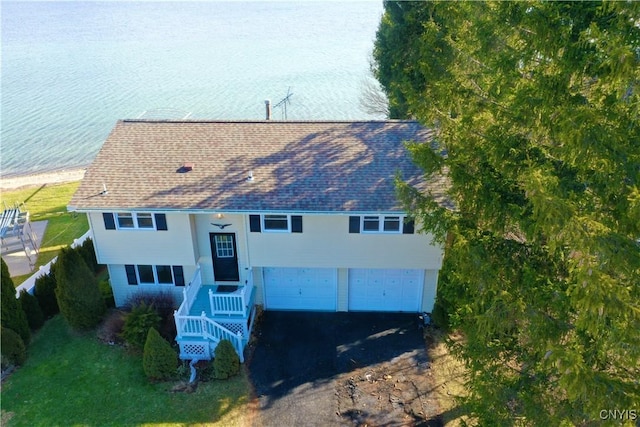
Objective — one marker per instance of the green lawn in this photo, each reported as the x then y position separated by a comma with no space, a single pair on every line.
72,379
49,202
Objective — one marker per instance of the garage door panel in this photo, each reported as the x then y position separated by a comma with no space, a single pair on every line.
300,288
385,289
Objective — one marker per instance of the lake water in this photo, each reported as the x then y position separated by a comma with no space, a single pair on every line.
71,69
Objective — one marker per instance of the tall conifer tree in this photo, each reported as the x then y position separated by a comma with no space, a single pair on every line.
536,111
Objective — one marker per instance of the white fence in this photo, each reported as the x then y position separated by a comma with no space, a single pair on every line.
30,284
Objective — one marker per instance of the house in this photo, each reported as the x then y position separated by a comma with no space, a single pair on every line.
290,215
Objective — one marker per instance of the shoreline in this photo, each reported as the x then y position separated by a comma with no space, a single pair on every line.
42,178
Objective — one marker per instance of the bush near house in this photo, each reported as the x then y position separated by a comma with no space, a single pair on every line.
164,304
107,293
77,291
13,349
32,309
88,253
45,293
226,363
12,315
159,360
138,322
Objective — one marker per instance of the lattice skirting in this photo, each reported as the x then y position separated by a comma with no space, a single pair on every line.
195,350
234,327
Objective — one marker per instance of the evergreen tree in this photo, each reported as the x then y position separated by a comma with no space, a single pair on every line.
535,107
45,293
159,360
77,291
12,316
32,310
12,347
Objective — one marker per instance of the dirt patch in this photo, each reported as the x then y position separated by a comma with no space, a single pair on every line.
393,393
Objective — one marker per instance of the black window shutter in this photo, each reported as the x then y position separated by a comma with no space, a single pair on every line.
296,223
354,224
161,222
408,227
109,221
131,274
178,275
254,223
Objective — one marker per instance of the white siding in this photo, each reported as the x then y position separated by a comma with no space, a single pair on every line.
171,247
122,291
326,242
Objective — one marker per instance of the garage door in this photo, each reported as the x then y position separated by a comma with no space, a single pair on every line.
300,288
385,290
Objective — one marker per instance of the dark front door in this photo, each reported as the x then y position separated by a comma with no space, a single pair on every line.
225,257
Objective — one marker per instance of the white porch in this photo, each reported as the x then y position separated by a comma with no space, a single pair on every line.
211,313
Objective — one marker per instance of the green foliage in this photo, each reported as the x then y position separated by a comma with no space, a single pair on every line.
12,316
88,253
535,105
77,291
159,360
226,362
137,323
13,349
45,293
32,310
107,293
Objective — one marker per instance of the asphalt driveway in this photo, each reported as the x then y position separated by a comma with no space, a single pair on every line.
337,369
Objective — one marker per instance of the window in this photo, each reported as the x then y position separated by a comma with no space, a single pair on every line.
125,220
158,274
276,222
145,220
224,246
134,220
164,274
145,272
381,224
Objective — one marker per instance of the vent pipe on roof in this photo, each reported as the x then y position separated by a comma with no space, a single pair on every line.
267,105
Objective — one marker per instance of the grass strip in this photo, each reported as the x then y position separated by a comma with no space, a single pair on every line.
73,379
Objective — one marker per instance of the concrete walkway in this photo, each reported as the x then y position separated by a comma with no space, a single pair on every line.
14,255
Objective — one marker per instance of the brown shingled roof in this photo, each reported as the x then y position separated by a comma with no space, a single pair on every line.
297,166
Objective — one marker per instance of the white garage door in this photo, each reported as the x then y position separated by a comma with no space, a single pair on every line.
385,290
300,288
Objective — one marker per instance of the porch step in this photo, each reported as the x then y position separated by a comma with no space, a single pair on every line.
196,348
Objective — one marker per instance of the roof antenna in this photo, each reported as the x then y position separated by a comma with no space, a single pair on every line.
104,191
283,103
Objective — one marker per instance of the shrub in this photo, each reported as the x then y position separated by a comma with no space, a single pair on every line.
77,291
12,347
163,302
226,363
137,324
159,360
11,314
32,309
88,253
107,293
46,294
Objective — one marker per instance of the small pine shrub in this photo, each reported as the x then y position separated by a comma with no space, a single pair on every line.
32,309
164,302
159,360
12,347
45,293
137,324
226,363
107,293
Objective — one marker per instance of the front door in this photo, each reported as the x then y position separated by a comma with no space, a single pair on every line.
225,257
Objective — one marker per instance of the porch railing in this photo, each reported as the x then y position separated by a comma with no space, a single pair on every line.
189,293
232,303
